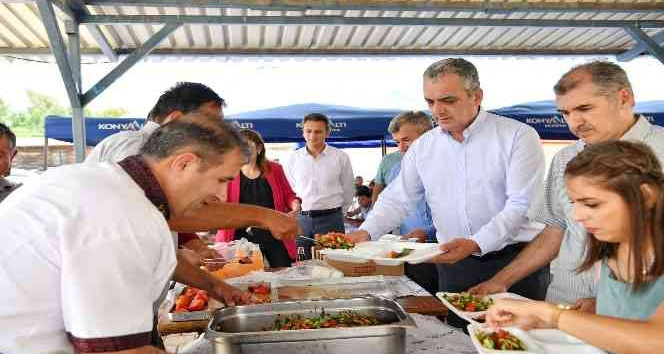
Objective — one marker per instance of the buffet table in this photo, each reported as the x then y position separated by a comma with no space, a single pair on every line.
430,336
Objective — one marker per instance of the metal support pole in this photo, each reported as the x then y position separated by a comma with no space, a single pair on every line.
61,55
45,152
74,52
78,118
641,37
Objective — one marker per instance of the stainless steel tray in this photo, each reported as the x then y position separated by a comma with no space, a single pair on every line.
242,329
184,316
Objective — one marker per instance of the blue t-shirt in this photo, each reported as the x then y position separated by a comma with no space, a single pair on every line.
420,218
385,166
617,299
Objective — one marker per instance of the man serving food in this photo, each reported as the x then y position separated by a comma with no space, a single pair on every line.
478,173
87,249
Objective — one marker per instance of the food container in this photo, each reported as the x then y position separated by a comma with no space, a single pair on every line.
213,304
378,252
247,329
205,314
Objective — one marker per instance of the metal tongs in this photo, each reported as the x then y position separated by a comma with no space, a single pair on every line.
307,238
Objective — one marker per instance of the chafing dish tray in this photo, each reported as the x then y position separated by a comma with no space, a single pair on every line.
248,329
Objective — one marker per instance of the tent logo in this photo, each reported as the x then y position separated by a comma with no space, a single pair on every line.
135,125
553,121
336,126
245,125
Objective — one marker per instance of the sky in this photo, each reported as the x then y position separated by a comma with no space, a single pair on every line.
256,83
249,84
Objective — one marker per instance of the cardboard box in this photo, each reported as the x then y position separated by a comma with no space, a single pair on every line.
366,268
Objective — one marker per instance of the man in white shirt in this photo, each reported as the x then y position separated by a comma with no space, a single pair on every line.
87,251
597,102
478,173
183,98
323,177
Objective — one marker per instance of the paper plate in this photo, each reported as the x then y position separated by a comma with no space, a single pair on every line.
557,341
472,317
532,347
377,250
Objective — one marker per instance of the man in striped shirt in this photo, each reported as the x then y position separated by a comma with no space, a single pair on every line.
596,100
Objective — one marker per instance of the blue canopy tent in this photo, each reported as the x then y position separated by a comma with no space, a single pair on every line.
549,123
96,129
351,126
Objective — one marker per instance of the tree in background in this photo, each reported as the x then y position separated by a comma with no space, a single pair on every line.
30,123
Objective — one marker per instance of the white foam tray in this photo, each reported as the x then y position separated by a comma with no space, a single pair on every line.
376,250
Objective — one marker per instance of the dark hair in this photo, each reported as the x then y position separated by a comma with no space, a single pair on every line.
205,135
363,191
7,133
608,78
623,167
254,136
185,97
318,117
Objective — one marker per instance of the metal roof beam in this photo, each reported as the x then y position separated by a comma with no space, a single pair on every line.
651,46
59,50
129,62
342,53
639,48
79,8
365,5
364,21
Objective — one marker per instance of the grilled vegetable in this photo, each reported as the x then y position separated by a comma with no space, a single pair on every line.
467,302
191,299
403,253
500,340
324,320
333,240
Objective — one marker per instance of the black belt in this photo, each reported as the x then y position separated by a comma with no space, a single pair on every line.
320,213
507,250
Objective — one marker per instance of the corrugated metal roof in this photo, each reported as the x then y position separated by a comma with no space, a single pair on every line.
22,33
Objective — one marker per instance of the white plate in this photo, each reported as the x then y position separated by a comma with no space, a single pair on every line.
556,341
473,316
532,347
553,336
376,251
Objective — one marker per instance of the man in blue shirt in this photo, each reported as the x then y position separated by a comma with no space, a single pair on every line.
405,129
478,173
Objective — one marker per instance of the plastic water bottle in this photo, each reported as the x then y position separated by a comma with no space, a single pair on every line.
301,256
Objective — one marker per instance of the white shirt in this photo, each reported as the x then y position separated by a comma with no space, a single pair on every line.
479,189
85,252
123,144
325,182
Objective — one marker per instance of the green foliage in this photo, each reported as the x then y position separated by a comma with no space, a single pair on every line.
30,123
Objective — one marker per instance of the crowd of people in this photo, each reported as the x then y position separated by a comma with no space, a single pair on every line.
89,248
